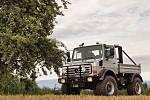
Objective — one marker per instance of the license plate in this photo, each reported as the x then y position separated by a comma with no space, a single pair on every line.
75,85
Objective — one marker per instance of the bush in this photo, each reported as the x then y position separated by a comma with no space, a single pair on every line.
11,85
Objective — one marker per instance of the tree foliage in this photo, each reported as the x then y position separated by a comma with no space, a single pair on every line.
24,29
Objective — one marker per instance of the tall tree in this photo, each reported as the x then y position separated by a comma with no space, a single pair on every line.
24,29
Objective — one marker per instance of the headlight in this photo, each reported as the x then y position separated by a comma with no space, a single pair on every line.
89,79
63,80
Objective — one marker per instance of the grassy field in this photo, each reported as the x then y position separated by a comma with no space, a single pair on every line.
81,97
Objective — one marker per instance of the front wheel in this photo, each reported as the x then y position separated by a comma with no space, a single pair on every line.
135,88
107,87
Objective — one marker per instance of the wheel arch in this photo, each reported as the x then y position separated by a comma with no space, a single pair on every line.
131,77
136,75
105,72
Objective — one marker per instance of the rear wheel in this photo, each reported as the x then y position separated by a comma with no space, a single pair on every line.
135,88
107,87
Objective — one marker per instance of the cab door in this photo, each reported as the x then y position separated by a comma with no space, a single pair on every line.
110,59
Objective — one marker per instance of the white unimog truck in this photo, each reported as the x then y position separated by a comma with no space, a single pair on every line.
100,68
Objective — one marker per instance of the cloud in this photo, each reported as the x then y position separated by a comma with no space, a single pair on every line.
124,22
102,16
116,21
144,61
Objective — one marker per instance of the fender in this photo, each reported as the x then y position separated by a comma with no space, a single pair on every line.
105,72
136,75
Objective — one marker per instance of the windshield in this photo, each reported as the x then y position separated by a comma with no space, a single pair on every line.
89,52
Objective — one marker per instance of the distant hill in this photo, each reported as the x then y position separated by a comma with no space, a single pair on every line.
148,82
52,83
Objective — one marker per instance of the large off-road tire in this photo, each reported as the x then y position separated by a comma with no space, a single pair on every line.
135,87
107,87
69,90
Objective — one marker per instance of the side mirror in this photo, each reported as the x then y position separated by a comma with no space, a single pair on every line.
68,56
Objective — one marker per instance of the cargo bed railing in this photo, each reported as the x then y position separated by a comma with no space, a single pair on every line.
129,57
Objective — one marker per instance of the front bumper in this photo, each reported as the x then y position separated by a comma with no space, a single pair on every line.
80,82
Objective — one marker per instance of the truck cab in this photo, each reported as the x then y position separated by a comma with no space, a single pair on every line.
100,68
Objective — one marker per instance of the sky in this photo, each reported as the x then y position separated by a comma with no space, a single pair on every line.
123,22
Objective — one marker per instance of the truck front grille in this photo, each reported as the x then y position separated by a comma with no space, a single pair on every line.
77,70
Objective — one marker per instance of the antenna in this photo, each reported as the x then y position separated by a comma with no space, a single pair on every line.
81,45
97,43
